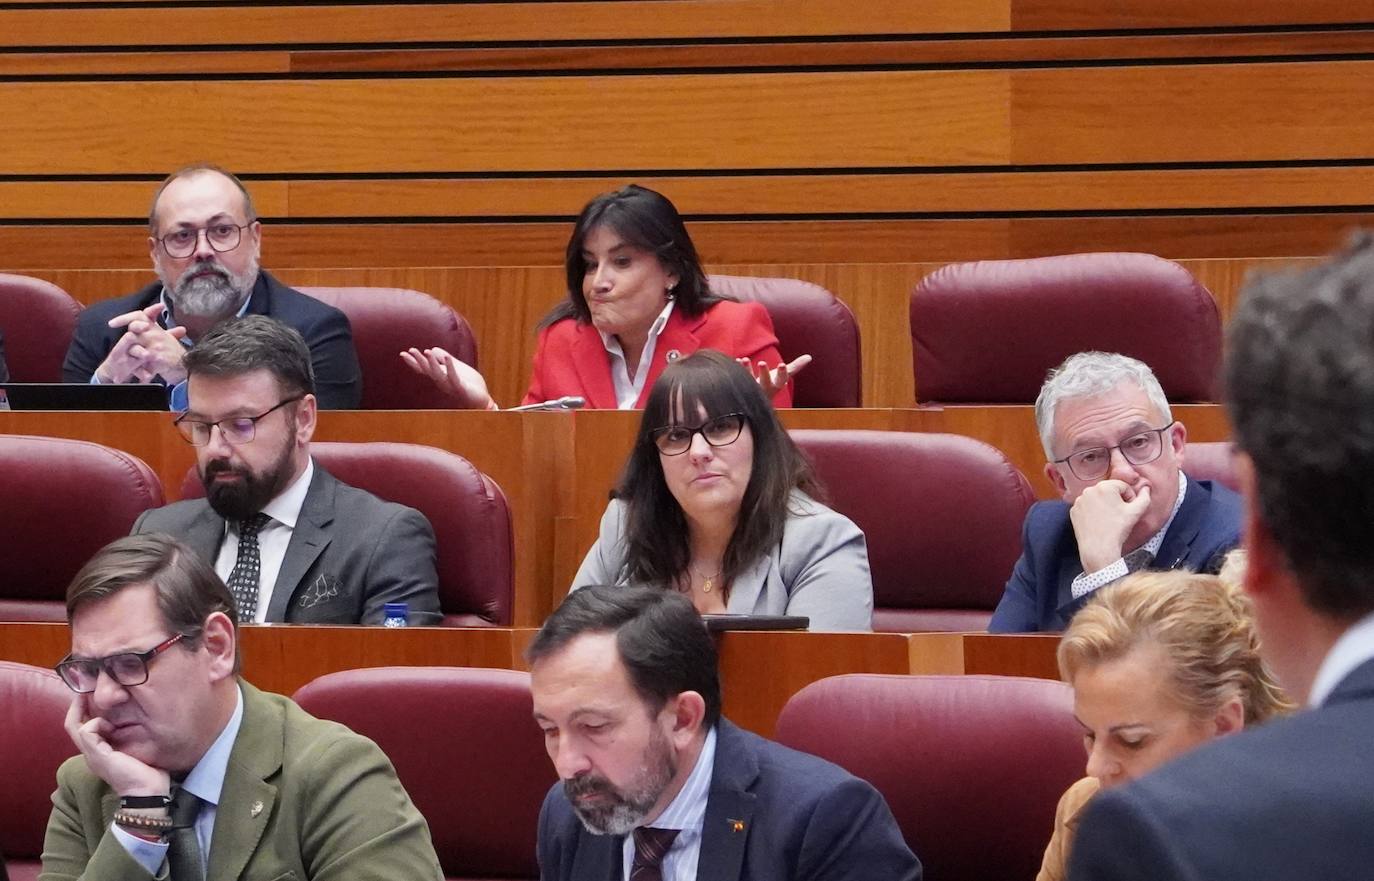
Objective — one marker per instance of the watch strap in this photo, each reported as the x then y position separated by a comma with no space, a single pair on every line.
144,801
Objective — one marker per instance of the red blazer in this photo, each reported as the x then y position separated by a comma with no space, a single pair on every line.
572,360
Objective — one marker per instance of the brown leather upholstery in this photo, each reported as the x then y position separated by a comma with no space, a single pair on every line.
942,514
36,320
472,528
1211,461
466,748
809,320
32,745
387,320
972,766
61,501
988,332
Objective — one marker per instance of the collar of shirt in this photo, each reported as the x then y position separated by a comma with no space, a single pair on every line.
627,390
687,813
1157,539
169,320
286,507
1354,647
206,779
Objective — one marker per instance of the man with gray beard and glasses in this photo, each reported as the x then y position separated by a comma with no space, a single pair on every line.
657,786
204,238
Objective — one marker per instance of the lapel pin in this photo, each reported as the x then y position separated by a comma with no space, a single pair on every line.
673,355
736,825
255,809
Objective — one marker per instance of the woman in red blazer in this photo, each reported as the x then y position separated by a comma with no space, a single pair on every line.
637,300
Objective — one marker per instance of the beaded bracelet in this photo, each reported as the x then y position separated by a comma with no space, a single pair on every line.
138,821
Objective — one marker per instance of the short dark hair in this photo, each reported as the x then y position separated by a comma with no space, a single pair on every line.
1300,393
187,588
250,213
660,637
254,342
656,536
649,221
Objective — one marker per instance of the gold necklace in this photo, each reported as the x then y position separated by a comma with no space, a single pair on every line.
709,581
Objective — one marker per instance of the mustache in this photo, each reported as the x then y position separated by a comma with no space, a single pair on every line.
222,466
587,784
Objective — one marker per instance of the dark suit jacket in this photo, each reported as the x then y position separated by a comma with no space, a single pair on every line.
349,555
338,378
1039,594
571,358
302,799
803,818
1291,799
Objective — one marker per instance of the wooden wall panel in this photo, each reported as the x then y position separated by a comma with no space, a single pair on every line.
1073,14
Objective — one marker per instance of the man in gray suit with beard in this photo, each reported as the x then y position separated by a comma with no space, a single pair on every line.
293,543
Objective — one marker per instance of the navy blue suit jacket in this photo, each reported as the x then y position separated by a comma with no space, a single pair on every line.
1039,595
338,378
1291,799
803,818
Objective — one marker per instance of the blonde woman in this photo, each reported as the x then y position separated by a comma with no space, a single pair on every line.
1160,663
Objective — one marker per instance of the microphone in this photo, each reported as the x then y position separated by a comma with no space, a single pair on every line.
567,402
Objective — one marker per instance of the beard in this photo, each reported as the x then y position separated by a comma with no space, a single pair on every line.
209,290
241,499
618,811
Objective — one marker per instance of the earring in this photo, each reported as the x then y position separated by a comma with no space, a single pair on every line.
669,292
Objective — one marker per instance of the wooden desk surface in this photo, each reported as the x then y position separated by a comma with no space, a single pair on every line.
759,671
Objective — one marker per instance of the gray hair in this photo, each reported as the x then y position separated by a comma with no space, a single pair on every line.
1085,375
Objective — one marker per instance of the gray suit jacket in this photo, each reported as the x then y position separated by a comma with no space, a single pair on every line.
350,554
819,569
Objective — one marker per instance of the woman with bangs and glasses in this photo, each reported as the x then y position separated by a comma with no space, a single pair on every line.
1160,663
717,502
637,300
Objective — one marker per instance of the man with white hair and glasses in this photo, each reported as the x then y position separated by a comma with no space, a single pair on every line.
1115,456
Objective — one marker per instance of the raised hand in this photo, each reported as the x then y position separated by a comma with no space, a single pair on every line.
1103,516
125,774
461,381
775,380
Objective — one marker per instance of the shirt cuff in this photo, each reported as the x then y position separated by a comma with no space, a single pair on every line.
95,379
1088,582
148,854
177,400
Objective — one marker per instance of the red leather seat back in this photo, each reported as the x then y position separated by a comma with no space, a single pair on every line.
942,514
988,332
32,746
1211,461
472,528
465,747
972,766
60,502
36,319
388,320
809,320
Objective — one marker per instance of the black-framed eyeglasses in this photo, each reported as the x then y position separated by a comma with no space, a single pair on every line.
674,440
126,668
234,430
1141,448
222,237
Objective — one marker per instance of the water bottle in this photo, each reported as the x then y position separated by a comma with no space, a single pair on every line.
396,615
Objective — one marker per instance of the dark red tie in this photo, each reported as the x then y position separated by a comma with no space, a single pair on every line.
651,845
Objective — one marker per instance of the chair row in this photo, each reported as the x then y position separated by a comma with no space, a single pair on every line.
941,565
983,332
972,766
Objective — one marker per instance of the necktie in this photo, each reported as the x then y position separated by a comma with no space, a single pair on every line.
651,845
1138,559
183,848
243,581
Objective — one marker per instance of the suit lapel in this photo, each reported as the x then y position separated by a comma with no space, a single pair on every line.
205,533
679,336
1178,541
589,362
247,802
599,857
308,541
729,808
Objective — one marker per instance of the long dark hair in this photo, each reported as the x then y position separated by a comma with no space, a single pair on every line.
656,536
647,220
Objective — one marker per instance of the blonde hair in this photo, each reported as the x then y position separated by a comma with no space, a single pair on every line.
1204,625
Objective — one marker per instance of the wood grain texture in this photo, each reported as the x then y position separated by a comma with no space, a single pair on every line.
1075,14
509,123
180,63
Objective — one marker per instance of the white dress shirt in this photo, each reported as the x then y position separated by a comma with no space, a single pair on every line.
1086,582
687,813
627,391
205,781
1354,647
273,539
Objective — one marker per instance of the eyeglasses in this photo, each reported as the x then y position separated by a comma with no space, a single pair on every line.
221,236
234,430
126,668
1141,448
674,440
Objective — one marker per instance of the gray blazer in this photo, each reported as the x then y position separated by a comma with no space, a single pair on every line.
338,569
820,569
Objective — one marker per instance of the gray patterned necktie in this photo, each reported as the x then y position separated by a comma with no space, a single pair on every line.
183,847
243,581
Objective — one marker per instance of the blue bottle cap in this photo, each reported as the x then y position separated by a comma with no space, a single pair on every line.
395,610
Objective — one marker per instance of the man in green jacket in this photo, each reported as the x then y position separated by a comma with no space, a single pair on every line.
186,772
